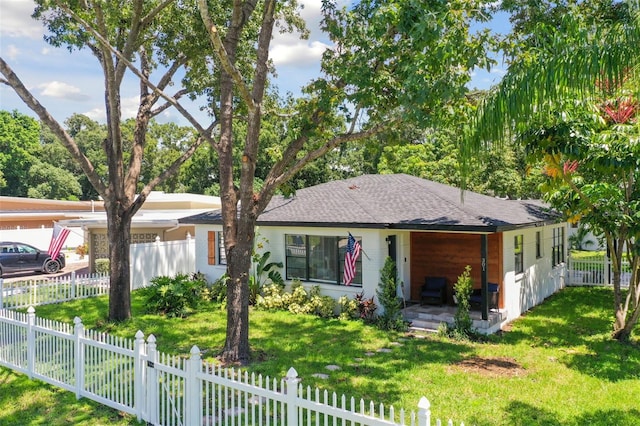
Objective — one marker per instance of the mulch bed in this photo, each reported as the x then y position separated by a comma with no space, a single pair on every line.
491,367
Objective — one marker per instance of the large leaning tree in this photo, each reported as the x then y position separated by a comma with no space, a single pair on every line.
144,32
574,105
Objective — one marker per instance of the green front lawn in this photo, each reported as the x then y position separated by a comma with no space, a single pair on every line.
32,402
556,366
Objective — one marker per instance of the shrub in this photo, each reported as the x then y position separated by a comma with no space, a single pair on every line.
174,297
322,306
391,318
102,266
463,288
82,250
298,301
366,308
218,290
263,270
348,308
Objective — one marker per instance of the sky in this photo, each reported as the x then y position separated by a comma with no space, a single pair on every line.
67,83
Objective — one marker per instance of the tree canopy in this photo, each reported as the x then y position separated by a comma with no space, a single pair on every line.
576,109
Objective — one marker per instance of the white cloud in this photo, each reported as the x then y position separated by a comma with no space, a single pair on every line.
301,53
288,49
129,106
16,20
57,89
12,52
96,114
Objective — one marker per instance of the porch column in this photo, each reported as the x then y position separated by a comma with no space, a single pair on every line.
484,292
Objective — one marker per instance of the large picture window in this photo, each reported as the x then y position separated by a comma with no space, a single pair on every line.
318,258
558,246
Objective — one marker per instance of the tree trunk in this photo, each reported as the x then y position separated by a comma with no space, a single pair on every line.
236,348
626,310
119,234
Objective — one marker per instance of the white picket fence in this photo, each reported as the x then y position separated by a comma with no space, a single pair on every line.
22,294
161,389
161,258
595,271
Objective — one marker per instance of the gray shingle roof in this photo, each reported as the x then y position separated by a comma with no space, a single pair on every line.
396,201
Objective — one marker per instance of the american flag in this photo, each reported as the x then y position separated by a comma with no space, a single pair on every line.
58,238
350,258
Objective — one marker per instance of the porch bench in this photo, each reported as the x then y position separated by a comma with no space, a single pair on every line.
434,290
476,296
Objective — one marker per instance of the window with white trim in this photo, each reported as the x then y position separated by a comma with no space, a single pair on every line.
518,251
539,252
216,254
318,258
557,250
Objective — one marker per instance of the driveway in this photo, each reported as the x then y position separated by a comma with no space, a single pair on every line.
80,267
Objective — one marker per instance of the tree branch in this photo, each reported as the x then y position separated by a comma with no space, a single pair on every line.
173,168
275,180
138,74
146,20
221,53
155,112
130,45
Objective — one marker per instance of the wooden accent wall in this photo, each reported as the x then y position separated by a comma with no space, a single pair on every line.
447,254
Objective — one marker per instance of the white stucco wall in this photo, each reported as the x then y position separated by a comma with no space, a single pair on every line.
521,291
539,279
374,252
211,272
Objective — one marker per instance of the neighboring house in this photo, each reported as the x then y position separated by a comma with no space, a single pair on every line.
30,220
428,228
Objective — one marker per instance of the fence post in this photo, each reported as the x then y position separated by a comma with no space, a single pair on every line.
187,263
157,258
193,412
139,375
73,285
424,412
151,384
1,293
292,381
31,341
78,334
34,295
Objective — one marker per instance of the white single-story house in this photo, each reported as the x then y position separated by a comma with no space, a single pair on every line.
429,229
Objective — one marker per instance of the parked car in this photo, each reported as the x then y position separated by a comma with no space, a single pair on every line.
20,257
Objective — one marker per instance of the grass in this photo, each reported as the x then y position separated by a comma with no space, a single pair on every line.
569,371
588,254
32,402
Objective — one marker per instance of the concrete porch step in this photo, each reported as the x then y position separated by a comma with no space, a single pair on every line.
429,318
422,324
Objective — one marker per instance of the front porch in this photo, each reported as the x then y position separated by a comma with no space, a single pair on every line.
428,317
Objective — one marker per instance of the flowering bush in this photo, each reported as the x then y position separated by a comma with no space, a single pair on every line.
348,308
299,301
